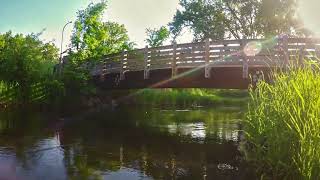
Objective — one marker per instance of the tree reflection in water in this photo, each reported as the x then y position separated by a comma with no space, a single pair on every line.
128,143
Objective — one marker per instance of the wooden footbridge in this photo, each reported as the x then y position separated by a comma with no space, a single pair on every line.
210,64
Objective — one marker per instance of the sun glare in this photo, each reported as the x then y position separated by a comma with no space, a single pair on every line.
308,12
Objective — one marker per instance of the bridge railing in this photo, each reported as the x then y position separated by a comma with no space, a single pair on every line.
224,53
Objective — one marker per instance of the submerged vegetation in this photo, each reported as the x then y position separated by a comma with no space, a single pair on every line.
283,125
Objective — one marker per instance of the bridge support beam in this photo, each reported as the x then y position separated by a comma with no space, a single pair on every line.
122,75
301,56
207,70
146,63
245,68
283,44
245,65
174,60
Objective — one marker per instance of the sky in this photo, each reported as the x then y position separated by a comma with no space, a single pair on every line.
26,16
309,12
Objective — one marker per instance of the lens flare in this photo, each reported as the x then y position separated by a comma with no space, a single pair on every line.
252,48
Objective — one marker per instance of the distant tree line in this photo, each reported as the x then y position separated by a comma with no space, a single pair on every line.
236,19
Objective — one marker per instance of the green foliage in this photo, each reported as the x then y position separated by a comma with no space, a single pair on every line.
76,79
283,125
156,37
236,18
204,18
92,38
192,97
24,62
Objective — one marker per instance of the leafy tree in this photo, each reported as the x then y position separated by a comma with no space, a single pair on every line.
92,38
204,18
156,37
279,16
236,18
25,61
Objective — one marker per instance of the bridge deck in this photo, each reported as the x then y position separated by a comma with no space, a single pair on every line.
210,64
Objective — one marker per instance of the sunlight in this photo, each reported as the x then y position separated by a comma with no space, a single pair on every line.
252,48
308,11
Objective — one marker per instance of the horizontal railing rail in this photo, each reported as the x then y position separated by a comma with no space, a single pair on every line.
223,53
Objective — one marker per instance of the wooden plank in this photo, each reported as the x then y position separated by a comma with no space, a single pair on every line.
152,64
137,58
191,49
161,48
161,60
135,62
226,48
299,46
234,53
187,45
135,67
192,63
202,54
223,42
161,67
192,59
304,40
161,57
161,53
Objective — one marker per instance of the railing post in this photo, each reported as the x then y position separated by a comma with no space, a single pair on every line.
284,39
207,70
174,59
245,65
122,57
301,56
146,67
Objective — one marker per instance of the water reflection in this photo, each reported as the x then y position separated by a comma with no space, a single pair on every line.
128,143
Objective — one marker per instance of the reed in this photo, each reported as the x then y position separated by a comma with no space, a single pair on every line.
283,125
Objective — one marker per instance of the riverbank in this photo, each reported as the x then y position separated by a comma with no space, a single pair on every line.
165,97
100,99
191,97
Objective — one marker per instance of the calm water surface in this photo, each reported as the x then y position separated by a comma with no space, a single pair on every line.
125,143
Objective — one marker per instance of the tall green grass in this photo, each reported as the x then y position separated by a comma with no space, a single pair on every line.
283,125
187,97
